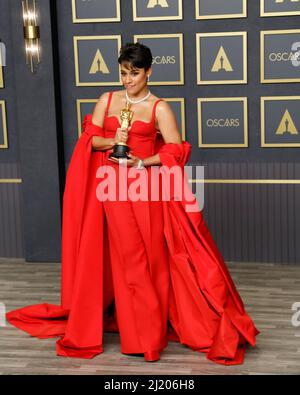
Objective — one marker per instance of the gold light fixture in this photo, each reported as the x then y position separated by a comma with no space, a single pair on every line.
31,34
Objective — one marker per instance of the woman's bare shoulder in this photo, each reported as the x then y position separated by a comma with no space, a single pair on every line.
163,106
103,98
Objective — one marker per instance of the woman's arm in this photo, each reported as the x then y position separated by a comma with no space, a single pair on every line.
101,143
168,127
152,160
167,123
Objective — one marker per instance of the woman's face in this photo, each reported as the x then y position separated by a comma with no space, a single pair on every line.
134,79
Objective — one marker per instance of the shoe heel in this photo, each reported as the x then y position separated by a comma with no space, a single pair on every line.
152,356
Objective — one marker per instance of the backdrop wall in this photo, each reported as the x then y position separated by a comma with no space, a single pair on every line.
252,169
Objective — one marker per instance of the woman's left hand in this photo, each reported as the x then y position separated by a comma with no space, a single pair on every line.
133,161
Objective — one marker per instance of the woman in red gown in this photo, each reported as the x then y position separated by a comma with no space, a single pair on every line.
148,268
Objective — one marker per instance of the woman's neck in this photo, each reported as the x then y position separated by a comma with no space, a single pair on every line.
138,95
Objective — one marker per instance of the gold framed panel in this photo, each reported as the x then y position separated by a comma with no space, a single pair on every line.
78,107
264,33
136,37
219,16
263,13
4,125
181,100
136,18
76,60
10,181
221,82
263,99
201,100
91,20
1,78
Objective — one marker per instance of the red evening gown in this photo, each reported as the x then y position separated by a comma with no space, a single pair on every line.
148,270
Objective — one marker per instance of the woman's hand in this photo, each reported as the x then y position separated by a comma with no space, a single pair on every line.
121,135
132,162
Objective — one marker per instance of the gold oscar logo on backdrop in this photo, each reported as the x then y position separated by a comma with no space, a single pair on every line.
287,124
99,64
161,3
222,62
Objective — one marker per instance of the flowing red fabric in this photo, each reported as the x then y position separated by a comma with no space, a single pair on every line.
206,312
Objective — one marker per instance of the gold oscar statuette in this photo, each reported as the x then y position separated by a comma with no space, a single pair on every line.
121,149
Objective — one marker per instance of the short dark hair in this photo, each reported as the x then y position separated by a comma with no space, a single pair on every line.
138,55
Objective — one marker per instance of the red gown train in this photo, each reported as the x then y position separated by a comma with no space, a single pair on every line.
149,270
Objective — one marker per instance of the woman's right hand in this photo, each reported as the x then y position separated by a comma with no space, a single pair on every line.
121,135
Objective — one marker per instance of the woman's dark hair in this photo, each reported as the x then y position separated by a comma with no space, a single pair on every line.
138,55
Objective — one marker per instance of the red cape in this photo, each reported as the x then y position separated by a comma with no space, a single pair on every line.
216,321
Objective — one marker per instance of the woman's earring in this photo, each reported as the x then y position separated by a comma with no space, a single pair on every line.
148,78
